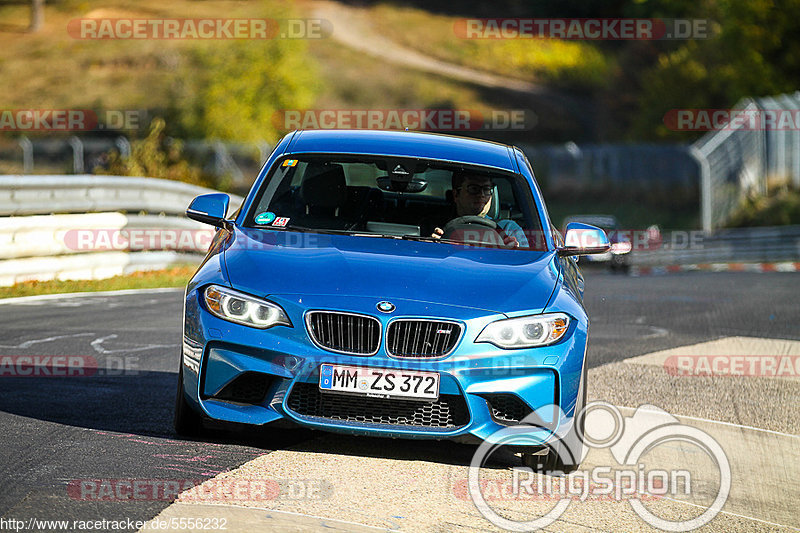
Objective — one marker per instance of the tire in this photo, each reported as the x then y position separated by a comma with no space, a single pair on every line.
187,422
553,462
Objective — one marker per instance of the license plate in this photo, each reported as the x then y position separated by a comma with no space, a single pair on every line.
379,382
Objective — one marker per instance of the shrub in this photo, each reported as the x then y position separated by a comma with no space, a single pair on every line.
778,208
155,156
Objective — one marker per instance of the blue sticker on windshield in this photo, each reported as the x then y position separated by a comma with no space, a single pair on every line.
265,218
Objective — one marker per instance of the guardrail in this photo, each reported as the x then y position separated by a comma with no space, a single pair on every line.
38,195
741,157
741,245
93,227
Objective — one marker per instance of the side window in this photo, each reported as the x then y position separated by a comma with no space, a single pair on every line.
299,172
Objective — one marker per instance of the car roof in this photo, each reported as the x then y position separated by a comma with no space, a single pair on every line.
405,144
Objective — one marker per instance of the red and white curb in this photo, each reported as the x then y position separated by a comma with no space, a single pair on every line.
787,266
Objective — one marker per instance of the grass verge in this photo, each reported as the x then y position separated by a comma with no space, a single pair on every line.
54,70
57,71
176,276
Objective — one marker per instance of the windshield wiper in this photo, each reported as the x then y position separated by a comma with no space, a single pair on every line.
420,238
397,237
423,238
380,235
303,229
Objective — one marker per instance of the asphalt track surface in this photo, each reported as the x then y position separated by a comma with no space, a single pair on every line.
116,423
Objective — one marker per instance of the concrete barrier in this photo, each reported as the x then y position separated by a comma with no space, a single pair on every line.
94,227
51,235
98,265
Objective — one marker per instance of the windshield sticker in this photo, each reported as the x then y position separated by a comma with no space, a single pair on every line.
281,221
265,218
289,163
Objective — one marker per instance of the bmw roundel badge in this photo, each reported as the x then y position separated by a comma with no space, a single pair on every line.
385,307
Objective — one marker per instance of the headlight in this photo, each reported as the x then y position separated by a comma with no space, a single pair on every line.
622,247
525,332
243,309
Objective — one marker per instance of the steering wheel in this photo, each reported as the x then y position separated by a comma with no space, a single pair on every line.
462,225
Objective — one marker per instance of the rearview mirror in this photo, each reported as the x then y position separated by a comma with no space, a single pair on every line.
583,239
395,184
210,209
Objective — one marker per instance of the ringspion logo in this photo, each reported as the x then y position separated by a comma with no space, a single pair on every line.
629,476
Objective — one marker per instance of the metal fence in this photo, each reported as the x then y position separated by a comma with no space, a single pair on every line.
619,165
730,245
742,157
233,164
727,164
563,165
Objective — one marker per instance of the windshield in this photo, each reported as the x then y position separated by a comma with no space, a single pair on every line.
399,198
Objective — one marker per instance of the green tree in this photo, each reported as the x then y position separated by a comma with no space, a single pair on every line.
235,90
754,51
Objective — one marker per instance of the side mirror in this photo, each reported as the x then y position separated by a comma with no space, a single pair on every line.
210,209
583,239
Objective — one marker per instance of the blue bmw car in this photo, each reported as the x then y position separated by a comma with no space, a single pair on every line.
394,284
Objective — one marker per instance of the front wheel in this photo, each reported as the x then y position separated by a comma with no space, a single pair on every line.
187,422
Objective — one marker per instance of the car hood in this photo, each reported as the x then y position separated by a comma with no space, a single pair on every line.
263,263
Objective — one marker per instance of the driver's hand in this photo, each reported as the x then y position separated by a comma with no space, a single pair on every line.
437,233
510,241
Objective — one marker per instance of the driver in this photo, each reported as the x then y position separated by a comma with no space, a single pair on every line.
472,196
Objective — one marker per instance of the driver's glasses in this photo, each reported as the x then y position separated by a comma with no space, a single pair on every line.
475,190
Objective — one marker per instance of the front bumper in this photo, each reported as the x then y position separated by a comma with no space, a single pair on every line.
234,373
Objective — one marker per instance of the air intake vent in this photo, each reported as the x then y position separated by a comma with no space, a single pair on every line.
422,338
508,408
250,387
448,412
344,332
